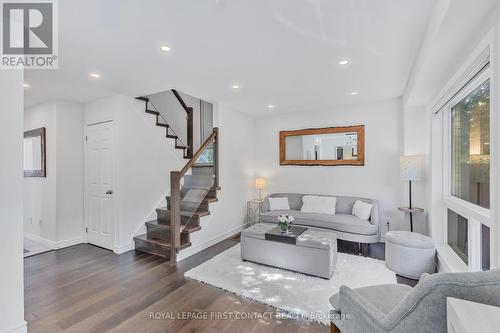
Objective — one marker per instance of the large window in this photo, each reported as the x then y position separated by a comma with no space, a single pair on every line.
470,147
467,171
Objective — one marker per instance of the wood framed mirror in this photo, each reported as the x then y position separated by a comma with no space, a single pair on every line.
323,146
34,148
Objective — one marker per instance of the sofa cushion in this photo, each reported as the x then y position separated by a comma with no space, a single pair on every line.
385,297
362,210
278,204
339,222
318,204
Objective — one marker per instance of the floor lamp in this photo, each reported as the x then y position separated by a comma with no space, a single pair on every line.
411,167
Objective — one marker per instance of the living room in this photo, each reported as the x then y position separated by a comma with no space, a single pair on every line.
296,166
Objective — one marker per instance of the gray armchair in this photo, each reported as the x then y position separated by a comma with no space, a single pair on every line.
399,308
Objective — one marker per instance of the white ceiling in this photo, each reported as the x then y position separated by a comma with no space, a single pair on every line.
456,32
282,52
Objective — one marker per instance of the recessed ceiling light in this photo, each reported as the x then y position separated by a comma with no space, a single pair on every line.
355,93
95,75
26,85
344,62
165,48
236,86
270,106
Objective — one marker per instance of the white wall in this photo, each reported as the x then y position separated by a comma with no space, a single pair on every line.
378,179
416,141
53,206
144,158
69,189
40,213
11,202
237,175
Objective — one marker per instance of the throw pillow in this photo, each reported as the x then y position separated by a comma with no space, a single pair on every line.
279,204
362,210
318,204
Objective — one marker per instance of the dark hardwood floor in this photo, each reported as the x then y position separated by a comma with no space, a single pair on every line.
89,289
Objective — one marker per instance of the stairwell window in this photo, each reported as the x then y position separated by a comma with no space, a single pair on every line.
470,147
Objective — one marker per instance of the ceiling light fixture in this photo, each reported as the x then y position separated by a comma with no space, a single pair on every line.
344,62
26,85
236,86
270,106
165,48
95,75
355,93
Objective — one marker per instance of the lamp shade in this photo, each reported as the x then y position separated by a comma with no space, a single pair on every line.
411,167
260,183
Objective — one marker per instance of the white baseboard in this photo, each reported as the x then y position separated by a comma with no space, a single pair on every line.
124,248
193,250
51,244
69,242
21,328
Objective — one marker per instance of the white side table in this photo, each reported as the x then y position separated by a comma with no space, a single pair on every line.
470,317
253,211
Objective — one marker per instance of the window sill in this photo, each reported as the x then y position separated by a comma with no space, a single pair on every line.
448,261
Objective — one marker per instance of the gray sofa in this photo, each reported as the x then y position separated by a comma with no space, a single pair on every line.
398,308
347,226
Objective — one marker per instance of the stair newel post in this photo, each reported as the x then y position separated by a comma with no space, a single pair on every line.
216,157
190,140
175,214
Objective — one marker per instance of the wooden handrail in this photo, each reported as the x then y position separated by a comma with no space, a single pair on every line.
189,111
200,151
179,98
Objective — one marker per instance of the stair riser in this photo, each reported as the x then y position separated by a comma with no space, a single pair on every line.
198,181
189,207
203,171
212,194
164,218
156,249
163,234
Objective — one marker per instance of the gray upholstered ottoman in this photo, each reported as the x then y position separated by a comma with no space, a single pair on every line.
315,252
409,254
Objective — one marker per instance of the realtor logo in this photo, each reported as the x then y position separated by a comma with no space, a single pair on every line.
29,34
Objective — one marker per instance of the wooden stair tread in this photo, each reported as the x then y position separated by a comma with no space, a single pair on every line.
172,136
156,113
144,238
162,125
142,98
187,228
180,147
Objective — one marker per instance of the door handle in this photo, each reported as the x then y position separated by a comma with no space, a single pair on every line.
109,192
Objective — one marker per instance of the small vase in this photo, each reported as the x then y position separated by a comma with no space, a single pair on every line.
285,228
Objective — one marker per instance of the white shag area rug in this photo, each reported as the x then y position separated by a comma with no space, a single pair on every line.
298,294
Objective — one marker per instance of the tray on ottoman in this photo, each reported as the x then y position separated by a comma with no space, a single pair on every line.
290,237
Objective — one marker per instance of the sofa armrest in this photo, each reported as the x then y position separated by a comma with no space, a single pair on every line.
375,213
264,206
357,314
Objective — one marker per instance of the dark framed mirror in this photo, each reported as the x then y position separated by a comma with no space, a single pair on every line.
34,152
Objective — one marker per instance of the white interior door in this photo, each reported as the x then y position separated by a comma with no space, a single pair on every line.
99,208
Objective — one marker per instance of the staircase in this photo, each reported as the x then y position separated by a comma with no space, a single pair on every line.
191,191
161,122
